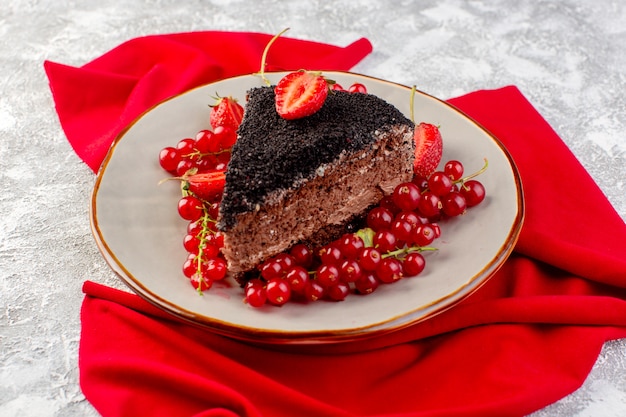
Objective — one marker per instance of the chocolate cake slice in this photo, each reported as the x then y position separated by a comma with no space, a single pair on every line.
291,181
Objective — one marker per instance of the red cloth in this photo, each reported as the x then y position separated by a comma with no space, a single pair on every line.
96,101
525,339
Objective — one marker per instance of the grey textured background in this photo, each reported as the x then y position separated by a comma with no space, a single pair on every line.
567,57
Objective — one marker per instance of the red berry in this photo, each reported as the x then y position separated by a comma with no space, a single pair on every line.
186,147
302,255
473,191
215,269
350,270
357,88
453,204
430,205
379,218
200,283
206,142
406,196
256,296
272,269
402,229
190,208
423,235
350,245
389,270
413,264
314,291
327,275
169,159
338,292
385,241
298,278
278,291
369,258
367,283
453,169
439,183
225,136
330,255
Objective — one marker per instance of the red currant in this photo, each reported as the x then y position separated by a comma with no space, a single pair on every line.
350,270
314,291
367,283
215,269
453,169
385,241
272,268
190,208
423,235
413,264
330,255
406,196
278,291
256,296
439,183
200,283
327,275
369,258
379,218
338,292
357,88
430,205
350,245
169,158
473,191
453,204
302,255
389,270
225,136
298,278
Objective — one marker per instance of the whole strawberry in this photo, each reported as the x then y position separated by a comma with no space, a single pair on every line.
428,149
300,94
226,112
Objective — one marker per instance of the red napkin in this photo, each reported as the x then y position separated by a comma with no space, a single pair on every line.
525,339
96,101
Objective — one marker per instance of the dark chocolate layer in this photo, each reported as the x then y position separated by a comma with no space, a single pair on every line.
272,153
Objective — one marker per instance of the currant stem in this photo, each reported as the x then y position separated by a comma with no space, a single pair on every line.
264,56
405,251
475,174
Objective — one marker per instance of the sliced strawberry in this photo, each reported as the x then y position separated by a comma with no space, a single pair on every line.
300,94
226,112
428,149
206,185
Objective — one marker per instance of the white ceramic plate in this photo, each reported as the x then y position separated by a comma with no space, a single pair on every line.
138,230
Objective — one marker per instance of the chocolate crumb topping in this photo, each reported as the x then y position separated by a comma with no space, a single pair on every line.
273,154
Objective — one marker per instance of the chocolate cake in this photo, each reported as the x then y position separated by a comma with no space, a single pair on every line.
291,181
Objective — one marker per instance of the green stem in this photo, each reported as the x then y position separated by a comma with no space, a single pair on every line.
264,56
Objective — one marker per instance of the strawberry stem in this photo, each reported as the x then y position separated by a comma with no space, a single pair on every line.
264,56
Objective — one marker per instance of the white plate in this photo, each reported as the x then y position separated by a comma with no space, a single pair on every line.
137,228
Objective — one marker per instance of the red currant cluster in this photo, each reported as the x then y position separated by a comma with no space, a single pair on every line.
210,150
398,230
200,164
